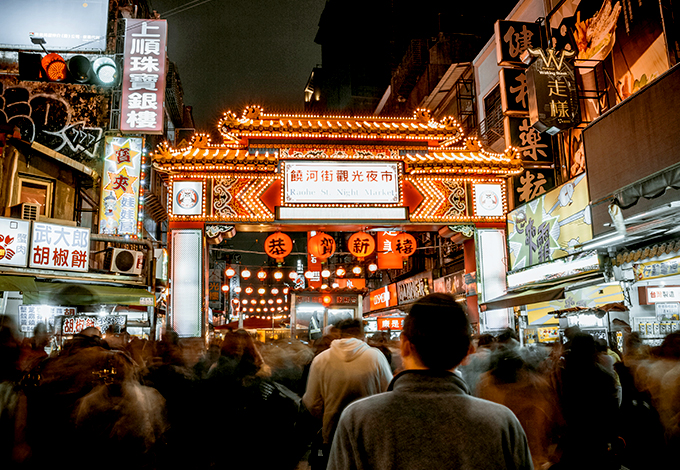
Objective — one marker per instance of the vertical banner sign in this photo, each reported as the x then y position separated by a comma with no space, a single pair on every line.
553,99
60,247
513,38
388,257
118,212
143,76
14,242
313,265
532,183
513,84
532,145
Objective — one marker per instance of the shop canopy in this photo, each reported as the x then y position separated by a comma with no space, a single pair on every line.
535,294
17,284
67,294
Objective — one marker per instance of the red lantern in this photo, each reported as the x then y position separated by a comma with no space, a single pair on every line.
405,244
278,245
361,244
321,245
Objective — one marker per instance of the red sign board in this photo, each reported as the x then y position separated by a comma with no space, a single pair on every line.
391,323
384,297
143,76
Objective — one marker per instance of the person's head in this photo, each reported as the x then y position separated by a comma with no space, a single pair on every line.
239,346
350,328
436,334
486,340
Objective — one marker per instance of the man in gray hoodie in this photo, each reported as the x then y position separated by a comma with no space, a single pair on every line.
350,369
428,419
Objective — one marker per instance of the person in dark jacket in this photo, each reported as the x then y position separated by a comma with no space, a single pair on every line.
428,419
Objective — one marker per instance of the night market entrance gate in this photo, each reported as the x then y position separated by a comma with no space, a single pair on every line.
301,173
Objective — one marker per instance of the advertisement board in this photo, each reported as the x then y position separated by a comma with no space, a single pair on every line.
384,297
187,198
550,226
60,247
65,25
14,242
326,182
118,212
411,289
143,85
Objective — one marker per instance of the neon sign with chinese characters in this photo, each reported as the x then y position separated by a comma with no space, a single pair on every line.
120,186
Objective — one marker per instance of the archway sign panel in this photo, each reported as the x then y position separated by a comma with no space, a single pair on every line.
338,171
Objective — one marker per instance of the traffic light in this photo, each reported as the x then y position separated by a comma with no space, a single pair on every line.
53,67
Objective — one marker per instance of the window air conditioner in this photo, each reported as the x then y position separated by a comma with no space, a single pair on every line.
26,211
118,260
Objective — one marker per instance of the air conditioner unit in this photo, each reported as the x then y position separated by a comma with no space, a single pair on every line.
118,260
26,211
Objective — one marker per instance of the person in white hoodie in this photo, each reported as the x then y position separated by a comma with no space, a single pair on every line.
350,369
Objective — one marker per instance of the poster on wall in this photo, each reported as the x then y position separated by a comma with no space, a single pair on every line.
118,212
550,226
187,198
626,35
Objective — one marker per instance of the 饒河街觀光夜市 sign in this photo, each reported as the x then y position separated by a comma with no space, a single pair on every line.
550,226
325,182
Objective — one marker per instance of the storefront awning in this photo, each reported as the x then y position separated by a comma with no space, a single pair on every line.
66,294
544,293
17,283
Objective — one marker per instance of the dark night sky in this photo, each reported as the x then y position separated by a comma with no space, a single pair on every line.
232,53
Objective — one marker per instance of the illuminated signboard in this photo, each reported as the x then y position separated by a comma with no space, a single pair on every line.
187,282
63,24
341,182
14,242
384,297
31,315
143,76
489,200
59,247
663,294
187,198
391,323
120,186
656,269
413,288
550,226
453,284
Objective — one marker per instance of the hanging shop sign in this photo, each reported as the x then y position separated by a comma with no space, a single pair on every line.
513,38
662,294
31,315
550,226
533,146
553,97
489,200
361,244
513,83
321,245
14,242
532,183
143,86
59,247
187,198
390,323
413,288
118,211
323,182
383,297
388,258
278,245
656,269
453,284
72,325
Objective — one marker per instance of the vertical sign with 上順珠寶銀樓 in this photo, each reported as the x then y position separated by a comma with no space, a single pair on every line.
143,85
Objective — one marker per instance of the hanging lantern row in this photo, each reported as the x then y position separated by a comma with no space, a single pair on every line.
278,245
321,245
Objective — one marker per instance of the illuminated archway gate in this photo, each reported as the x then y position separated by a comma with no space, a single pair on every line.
335,173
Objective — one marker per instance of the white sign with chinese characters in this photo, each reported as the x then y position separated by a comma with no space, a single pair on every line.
341,182
14,242
663,294
143,84
60,247
187,198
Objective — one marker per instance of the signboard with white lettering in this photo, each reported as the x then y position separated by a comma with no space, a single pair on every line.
341,182
413,288
143,76
14,242
60,247
391,323
118,212
383,297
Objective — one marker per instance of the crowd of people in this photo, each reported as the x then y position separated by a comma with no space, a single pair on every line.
110,400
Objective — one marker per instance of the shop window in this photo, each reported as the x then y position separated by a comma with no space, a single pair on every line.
36,191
